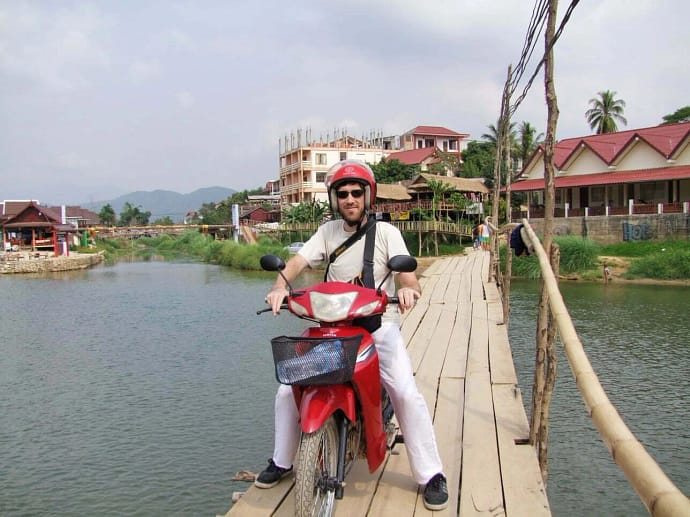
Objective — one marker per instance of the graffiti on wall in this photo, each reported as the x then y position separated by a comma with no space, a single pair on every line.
637,232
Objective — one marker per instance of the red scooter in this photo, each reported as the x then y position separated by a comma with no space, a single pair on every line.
333,369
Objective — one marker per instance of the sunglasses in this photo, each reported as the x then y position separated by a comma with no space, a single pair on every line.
357,193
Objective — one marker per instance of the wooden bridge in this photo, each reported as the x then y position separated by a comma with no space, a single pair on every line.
463,366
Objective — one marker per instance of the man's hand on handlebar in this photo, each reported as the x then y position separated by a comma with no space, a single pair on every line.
407,298
275,298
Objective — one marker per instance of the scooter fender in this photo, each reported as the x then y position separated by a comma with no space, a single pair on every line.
320,402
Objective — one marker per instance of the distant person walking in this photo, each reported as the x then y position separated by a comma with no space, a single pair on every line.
476,242
485,230
607,273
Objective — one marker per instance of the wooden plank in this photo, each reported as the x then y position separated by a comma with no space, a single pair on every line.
433,269
478,355
523,486
438,294
418,346
397,491
360,487
258,502
456,358
411,320
500,355
448,421
481,487
477,286
429,370
464,292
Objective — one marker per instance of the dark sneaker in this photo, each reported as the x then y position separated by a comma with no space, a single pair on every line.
436,493
271,475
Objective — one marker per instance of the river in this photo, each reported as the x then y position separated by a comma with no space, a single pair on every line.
140,388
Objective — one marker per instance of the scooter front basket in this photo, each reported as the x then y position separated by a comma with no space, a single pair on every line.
314,360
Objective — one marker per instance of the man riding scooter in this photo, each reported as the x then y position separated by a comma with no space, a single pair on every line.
351,192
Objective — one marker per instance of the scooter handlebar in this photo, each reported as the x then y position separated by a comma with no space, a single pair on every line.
261,311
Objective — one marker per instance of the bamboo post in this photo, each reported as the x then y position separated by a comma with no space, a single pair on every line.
661,497
551,363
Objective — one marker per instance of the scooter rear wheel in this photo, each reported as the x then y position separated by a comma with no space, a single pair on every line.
317,465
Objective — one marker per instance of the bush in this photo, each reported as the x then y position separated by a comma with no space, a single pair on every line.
643,248
577,256
671,264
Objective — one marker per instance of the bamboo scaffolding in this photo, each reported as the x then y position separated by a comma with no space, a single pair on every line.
657,491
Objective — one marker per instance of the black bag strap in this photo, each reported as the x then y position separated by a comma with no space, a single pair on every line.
371,221
368,263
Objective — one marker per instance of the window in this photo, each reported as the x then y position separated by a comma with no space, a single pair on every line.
343,155
597,194
652,192
453,145
320,177
420,144
321,158
429,142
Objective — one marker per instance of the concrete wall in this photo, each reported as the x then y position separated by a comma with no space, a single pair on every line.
612,229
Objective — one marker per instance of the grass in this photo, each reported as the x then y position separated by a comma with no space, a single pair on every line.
193,244
662,260
658,260
577,256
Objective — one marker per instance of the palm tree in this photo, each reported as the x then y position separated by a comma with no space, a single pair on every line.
492,136
606,110
527,141
439,189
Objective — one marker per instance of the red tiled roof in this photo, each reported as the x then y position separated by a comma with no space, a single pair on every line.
607,178
434,130
413,156
665,139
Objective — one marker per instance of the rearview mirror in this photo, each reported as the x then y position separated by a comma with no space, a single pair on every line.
272,263
402,264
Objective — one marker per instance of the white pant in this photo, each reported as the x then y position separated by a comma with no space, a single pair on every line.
409,405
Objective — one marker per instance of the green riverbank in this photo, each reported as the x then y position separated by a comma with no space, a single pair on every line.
581,259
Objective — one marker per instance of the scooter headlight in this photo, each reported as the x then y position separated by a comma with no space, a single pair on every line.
331,307
367,309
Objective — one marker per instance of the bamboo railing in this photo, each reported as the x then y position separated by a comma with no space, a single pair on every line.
657,491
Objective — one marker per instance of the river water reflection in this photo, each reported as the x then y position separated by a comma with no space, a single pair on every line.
141,388
636,338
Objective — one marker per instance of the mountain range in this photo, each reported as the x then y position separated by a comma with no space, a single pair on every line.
164,203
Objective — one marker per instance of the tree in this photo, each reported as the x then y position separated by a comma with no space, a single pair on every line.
313,212
107,215
605,112
492,135
164,221
392,171
440,189
212,213
478,161
527,141
133,216
446,162
680,115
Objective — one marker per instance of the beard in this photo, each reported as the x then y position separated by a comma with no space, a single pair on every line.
352,218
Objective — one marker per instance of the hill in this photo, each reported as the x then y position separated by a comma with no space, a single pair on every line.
165,203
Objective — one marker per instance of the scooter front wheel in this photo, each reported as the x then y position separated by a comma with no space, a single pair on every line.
317,465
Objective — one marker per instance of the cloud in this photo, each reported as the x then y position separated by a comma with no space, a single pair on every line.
56,51
185,100
181,95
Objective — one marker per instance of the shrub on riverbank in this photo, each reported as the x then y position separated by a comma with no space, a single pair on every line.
577,256
226,253
194,244
671,264
660,260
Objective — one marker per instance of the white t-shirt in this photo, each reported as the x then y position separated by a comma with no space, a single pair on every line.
389,243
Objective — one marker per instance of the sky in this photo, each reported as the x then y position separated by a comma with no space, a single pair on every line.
103,98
